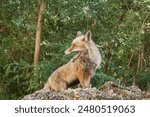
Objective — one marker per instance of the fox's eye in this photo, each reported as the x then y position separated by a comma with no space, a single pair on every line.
83,39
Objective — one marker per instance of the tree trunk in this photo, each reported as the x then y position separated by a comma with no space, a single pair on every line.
38,35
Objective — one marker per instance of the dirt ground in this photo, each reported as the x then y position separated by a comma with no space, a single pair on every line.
109,91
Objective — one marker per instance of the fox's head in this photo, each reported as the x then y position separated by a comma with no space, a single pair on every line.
80,44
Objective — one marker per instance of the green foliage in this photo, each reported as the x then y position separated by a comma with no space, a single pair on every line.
143,80
121,28
100,78
40,75
14,80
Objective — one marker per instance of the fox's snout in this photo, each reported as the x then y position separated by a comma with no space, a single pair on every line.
67,52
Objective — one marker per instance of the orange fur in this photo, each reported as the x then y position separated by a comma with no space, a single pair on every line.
81,67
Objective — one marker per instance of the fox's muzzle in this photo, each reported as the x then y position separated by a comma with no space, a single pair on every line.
67,52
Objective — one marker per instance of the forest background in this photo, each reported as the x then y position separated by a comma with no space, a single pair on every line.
120,28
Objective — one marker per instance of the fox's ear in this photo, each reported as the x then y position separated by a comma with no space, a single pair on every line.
79,33
88,36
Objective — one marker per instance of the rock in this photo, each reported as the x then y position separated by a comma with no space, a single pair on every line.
109,91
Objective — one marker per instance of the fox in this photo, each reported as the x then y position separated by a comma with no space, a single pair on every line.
80,68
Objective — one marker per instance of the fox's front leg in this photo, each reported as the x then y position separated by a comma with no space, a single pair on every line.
81,77
87,77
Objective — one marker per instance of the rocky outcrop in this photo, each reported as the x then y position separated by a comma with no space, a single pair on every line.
109,91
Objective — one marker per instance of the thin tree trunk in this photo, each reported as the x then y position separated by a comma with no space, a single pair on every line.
38,34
